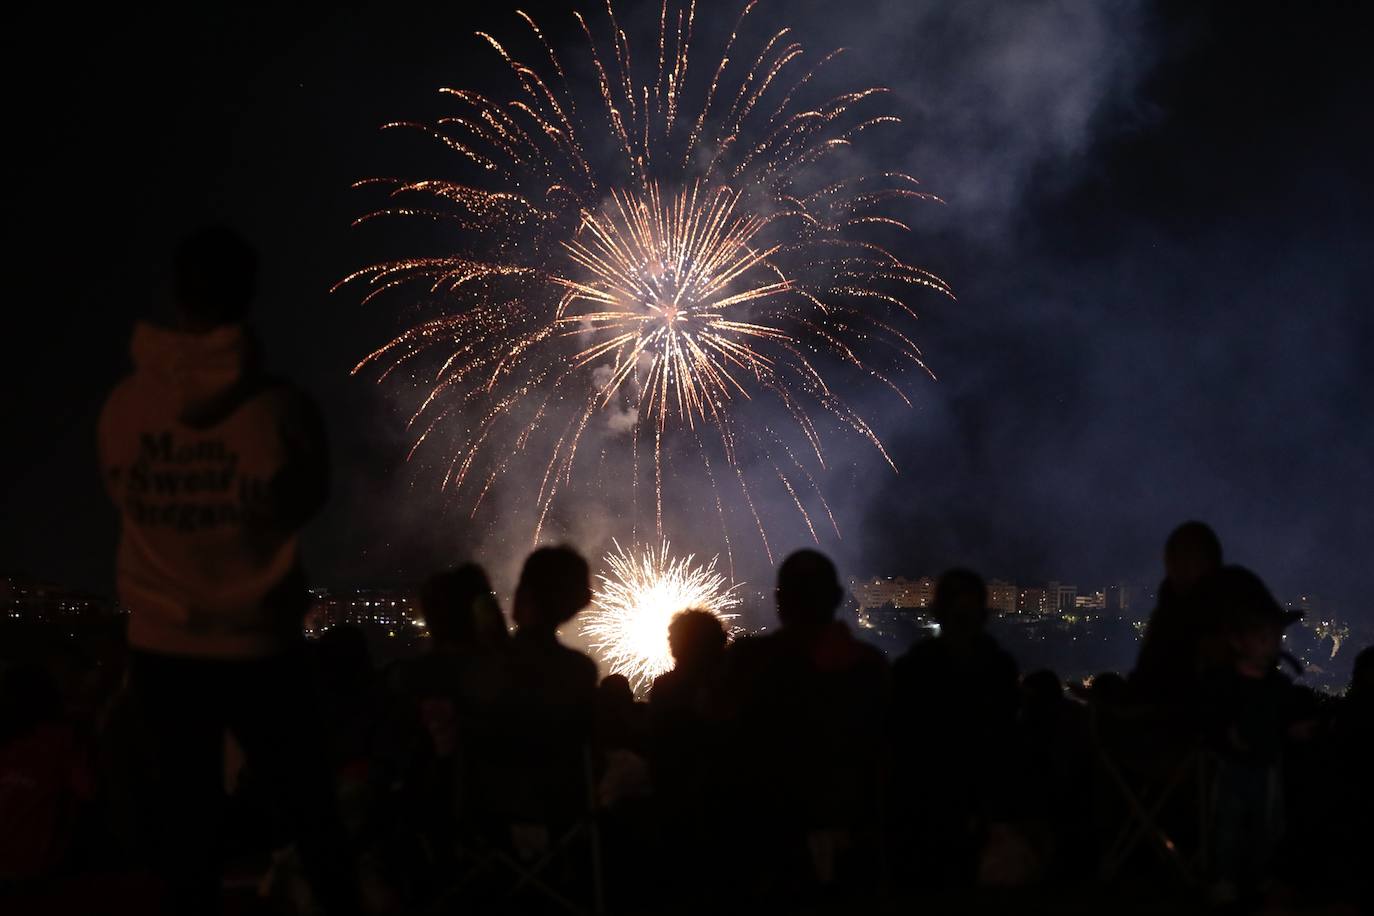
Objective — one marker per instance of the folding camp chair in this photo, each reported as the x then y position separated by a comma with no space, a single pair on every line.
1153,768
497,849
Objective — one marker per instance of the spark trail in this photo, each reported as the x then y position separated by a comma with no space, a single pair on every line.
667,248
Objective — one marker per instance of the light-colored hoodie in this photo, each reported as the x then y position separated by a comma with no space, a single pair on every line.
214,468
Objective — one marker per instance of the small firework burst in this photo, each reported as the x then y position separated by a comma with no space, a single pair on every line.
636,600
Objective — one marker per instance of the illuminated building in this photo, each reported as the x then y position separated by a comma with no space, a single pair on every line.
898,592
1117,599
1052,598
1093,601
1002,596
364,607
1059,598
1030,600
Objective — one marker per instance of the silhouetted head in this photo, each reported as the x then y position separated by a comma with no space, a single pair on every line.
961,603
1251,622
808,589
1190,554
451,604
216,277
696,638
614,692
554,585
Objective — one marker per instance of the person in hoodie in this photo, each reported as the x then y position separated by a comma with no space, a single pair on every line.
215,466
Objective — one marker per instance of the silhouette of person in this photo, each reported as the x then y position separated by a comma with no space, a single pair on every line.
621,722
1179,638
215,467
809,704
453,689
955,701
622,739
1054,771
686,750
376,738
548,710
684,696
454,684
1251,708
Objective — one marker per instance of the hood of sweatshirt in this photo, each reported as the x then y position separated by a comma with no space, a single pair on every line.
202,374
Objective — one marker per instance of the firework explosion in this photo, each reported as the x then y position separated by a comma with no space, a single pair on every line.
707,254
631,609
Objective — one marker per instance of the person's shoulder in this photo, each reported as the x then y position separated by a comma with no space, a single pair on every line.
126,395
664,686
577,660
125,386
863,655
918,652
998,655
751,650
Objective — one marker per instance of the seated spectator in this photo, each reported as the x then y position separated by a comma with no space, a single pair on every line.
454,684
453,688
955,702
624,786
808,703
621,722
1053,770
687,758
380,757
1177,641
547,709
683,707
376,739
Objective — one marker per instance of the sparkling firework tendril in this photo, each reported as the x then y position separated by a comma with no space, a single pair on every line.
712,257
632,607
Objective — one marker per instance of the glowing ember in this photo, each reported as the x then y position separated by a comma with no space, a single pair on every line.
631,609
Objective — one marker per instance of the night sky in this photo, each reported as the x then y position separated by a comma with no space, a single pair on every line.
1158,225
